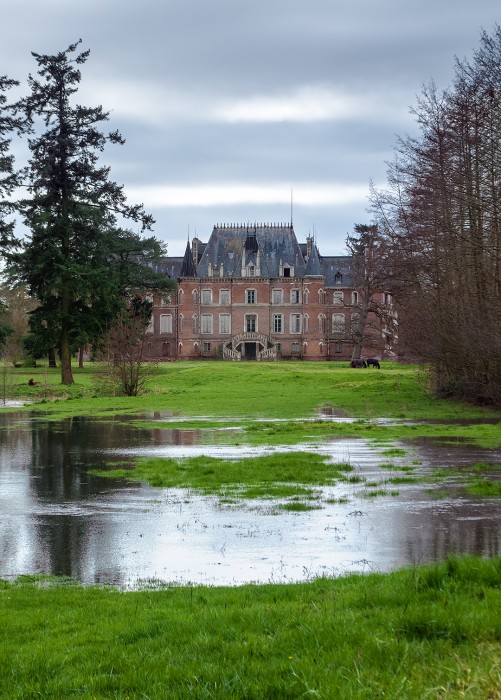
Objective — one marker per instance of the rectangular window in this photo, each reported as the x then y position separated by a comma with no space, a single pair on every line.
167,299
295,323
338,298
278,323
250,323
277,296
338,323
338,347
224,297
251,296
224,323
354,297
206,296
295,348
295,296
166,323
206,346
206,323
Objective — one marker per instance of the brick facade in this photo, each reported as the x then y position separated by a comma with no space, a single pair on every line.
304,311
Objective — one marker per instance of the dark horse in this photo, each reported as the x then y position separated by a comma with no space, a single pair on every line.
373,362
358,363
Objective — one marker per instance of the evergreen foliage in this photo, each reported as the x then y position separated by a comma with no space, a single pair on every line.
77,261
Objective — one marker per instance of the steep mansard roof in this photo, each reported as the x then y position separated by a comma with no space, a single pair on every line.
337,267
263,245
275,245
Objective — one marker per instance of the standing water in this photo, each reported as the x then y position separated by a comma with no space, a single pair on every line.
58,518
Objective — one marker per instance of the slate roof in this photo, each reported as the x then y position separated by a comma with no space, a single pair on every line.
273,243
333,265
170,267
270,245
188,268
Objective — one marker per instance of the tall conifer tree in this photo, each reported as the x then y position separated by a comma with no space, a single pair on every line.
72,207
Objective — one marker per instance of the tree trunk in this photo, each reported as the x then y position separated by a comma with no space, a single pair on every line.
65,345
52,358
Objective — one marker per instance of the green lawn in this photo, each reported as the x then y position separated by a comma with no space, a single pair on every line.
252,390
426,632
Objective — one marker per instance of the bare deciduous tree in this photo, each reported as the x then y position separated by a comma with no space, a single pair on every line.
441,214
126,369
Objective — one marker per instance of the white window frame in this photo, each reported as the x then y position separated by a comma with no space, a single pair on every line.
225,324
247,323
296,323
165,323
277,323
206,324
206,296
295,296
338,323
338,298
277,296
222,294
250,296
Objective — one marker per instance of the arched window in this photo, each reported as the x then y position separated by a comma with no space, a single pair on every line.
194,323
194,296
181,323
180,296
306,295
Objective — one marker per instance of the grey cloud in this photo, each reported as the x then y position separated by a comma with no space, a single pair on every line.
201,54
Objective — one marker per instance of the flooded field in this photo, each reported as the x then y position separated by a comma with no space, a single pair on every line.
58,518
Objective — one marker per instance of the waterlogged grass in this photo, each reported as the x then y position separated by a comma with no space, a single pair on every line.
272,476
425,632
483,487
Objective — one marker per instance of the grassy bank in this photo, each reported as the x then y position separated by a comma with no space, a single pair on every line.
250,390
427,632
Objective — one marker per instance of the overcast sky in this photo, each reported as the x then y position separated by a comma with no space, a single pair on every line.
229,106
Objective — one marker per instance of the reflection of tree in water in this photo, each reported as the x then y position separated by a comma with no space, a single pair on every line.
435,532
51,462
57,518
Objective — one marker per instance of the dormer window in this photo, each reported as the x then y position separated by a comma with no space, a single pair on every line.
338,278
287,272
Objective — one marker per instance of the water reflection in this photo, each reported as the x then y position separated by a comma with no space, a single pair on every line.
55,517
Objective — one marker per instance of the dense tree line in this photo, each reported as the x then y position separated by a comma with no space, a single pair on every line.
76,260
441,215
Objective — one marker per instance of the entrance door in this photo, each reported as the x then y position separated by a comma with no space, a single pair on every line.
250,351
